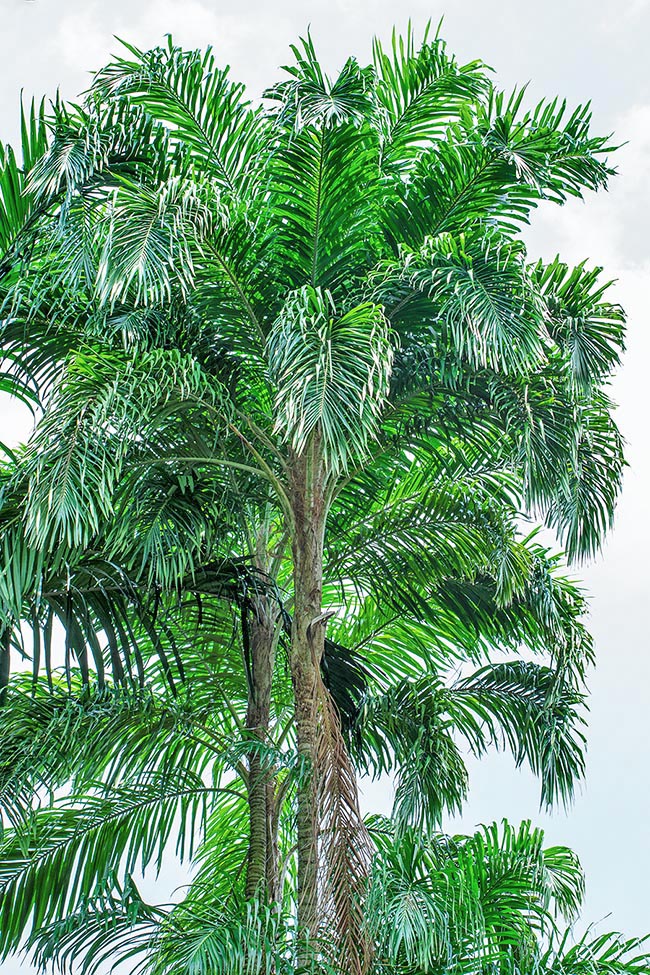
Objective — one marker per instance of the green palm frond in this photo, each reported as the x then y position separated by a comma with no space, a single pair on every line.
83,592
331,373
77,455
465,901
87,142
495,165
587,327
456,619
516,875
594,954
582,510
420,92
205,112
481,295
18,208
49,866
114,923
414,730
459,183
206,936
37,339
308,97
532,709
426,530
150,240
327,151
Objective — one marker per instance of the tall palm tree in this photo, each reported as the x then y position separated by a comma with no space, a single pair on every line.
323,303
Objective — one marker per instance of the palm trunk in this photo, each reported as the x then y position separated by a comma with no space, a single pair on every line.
328,892
272,846
260,639
307,643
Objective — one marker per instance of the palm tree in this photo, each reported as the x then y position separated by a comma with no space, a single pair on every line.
323,305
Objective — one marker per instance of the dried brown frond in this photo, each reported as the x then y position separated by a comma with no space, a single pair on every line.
344,846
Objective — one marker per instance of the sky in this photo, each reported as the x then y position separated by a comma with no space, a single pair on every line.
574,48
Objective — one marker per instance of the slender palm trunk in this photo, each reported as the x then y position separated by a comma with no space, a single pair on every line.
307,643
260,650
272,845
327,892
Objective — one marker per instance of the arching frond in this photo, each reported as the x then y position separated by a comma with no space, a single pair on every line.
587,327
77,456
331,373
466,901
50,866
420,92
114,923
205,112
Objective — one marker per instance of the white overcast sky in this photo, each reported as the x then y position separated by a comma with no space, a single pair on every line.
574,48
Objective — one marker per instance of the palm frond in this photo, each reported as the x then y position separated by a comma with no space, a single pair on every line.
328,151
466,901
420,92
588,329
203,109
50,866
18,208
532,709
596,954
99,412
114,923
331,373
482,299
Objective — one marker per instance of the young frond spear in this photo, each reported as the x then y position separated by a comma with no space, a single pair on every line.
299,384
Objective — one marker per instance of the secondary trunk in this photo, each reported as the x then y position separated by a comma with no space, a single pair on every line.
272,846
259,638
307,643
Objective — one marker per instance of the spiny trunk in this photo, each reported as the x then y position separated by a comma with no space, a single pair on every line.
260,639
307,643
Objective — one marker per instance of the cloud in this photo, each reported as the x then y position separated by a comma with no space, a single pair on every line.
16,421
619,15
85,37
86,33
254,40
610,227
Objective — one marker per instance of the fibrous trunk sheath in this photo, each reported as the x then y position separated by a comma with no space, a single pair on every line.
333,845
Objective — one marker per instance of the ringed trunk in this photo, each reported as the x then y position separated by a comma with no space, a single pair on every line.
259,635
307,644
